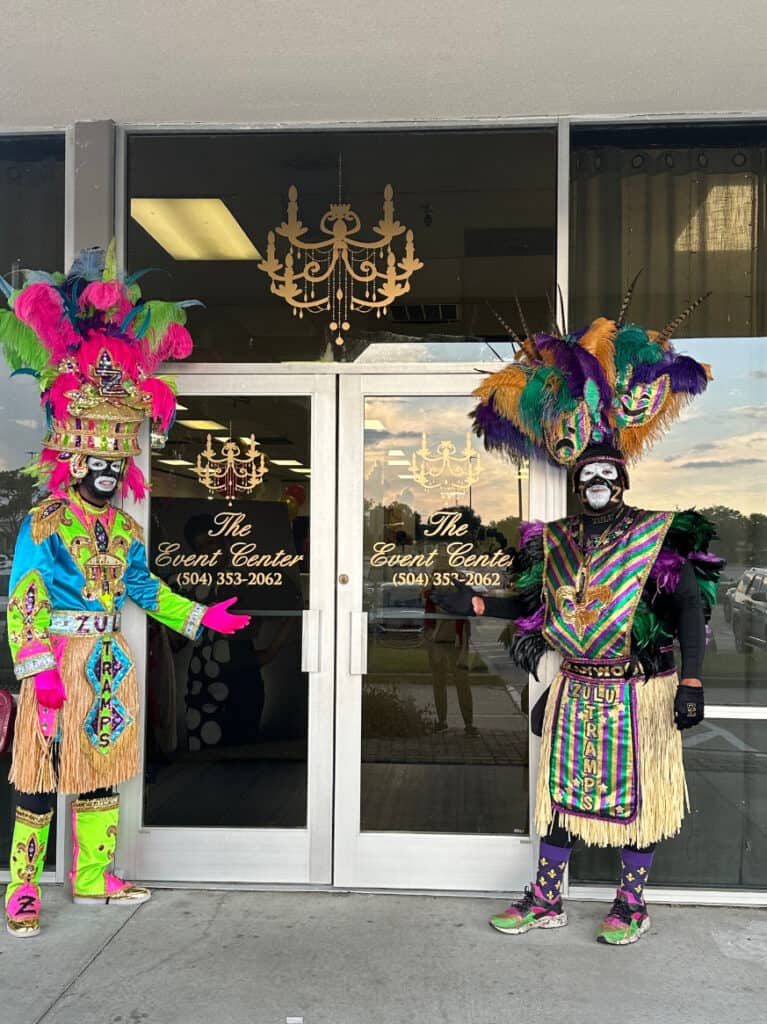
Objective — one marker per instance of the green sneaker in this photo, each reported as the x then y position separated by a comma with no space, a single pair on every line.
626,922
532,911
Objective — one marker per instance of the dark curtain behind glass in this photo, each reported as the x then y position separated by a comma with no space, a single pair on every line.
31,237
685,204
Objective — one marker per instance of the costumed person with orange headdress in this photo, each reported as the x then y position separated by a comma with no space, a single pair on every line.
94,348
608,590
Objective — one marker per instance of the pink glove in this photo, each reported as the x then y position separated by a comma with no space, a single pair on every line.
217,617
50,689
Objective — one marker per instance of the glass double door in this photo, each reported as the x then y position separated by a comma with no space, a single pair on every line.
354,734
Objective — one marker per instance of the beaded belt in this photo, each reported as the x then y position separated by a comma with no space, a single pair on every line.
598,668
84,623
604,669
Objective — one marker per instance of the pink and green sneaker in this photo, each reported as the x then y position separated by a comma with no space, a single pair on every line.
626,922
532,911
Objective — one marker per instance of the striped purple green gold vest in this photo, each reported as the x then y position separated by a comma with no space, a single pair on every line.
591,598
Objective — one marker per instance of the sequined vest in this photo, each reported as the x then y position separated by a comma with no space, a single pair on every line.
592,589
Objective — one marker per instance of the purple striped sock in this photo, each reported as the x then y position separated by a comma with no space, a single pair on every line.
552,862
635,870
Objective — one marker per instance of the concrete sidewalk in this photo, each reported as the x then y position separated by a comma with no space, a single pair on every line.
325,958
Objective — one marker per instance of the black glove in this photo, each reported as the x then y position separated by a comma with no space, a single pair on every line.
688,706
539,710
455,600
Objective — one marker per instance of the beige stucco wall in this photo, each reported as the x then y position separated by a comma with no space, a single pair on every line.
265,61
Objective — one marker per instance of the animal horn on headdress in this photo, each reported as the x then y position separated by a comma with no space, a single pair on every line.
664,335
562,307
627,299
509,330
554,327
522,320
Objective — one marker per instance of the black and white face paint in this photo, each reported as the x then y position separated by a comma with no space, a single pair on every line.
103,476
600,487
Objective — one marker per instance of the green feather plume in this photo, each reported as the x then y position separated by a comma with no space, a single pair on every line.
532,577
647,630
533,400
632,347
707,590
22,347
698,530
161,316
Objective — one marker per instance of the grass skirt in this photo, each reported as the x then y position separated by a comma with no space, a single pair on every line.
72,763
662,785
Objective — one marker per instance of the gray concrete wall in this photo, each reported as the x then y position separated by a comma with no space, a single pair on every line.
264,61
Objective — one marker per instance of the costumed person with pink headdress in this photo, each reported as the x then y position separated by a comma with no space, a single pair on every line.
94,348
608,590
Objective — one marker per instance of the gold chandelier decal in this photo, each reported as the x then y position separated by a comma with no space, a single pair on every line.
340,274
231,472
452,473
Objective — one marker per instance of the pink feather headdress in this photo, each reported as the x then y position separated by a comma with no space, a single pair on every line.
94,346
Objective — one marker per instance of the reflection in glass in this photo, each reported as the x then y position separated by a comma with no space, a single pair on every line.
227,721
31,236
723,842
444,712
481,206
684,203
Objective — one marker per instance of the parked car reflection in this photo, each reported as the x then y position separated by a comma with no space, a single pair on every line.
749,610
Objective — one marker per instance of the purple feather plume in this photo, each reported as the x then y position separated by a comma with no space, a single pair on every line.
686,374
529,530
577,365
710,559
531,623
667,570
498,432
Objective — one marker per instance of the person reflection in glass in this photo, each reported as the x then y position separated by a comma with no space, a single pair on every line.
446,640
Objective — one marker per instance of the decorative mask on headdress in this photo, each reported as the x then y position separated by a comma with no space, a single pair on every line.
93,347
610,383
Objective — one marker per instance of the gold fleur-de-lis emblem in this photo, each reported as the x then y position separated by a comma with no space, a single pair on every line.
580,606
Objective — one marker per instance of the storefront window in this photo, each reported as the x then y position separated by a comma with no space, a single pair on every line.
480,206
226,738
683,204
444,710
31,237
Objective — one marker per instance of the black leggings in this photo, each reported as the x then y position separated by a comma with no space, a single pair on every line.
41,803
558,836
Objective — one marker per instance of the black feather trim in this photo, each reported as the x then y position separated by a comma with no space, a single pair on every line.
527,649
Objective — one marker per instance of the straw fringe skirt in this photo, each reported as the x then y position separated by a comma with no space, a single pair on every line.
663,789
73,764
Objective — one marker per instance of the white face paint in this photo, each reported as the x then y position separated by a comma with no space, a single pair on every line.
607,470
598,495
104,475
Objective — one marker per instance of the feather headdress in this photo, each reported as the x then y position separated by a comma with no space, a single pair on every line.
610,383
93,346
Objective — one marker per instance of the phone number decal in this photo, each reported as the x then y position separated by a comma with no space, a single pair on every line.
230,579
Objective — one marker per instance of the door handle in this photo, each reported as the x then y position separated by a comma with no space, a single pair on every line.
358,646
310,640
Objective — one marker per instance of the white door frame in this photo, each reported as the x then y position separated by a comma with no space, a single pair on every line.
267,855
402,860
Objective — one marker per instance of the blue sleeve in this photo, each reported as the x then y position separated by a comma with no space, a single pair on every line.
157,599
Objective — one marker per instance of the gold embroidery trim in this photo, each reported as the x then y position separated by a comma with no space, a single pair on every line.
33,820
99,803
44,526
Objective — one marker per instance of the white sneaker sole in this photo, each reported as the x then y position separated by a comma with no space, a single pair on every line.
22,933
113,901
543,922
628,942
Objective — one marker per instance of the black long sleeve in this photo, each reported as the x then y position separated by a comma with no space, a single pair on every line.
503,607
690,623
